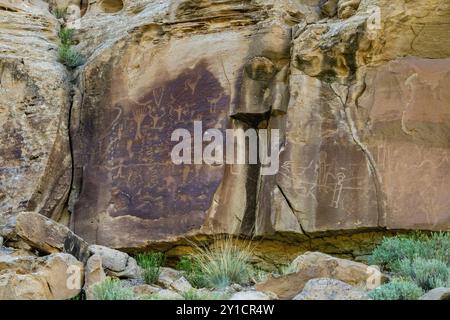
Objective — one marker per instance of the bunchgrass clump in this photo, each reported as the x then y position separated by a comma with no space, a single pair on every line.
195,294
150,263
66,36
112,289
223,263
397,289
59,13
69,56
192,272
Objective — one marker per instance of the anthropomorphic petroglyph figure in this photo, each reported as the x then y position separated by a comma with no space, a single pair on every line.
338,190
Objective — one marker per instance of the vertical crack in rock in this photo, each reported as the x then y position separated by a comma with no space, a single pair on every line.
370,159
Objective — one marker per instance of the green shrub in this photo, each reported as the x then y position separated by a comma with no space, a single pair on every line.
224,263
192,272
59,13
66,36
397,289
112,289
392,251
70,56
150,263
426,273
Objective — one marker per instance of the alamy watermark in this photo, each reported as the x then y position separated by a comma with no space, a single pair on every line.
236,146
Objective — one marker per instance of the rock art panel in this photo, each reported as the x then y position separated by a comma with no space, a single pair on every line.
406,104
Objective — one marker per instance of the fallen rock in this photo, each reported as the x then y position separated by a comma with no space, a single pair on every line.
15,286
249,295
131,271
312,265
351,272
330,289
57,276
117,264
94,274
174,280
145,290
166,294
167,276
437,294
63,273
48,236
113,260
19,264
181,285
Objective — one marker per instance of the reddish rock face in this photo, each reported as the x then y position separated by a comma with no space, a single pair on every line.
128,170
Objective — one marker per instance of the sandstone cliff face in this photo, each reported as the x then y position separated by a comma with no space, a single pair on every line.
358,89
35,161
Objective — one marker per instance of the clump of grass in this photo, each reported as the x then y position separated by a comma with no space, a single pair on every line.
112,289
59,13
70,56
397,289
66,36
426,273
192,272
223,263
150,263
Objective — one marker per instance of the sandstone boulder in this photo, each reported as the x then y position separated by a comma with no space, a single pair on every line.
437,294
330,289
173,279
314,265
57,276
117,263
94,274
49,236
249,295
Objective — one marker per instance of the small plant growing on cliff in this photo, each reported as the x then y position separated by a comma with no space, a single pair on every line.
68,55
397,289
66,36
59,13
112,289
150,263
224,263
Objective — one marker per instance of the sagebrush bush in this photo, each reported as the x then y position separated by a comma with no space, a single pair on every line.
70,56
112,289
150,263
392,251
223,263
397,289
426,273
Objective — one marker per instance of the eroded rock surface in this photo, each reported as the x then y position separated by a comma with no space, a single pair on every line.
357,88
35,161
